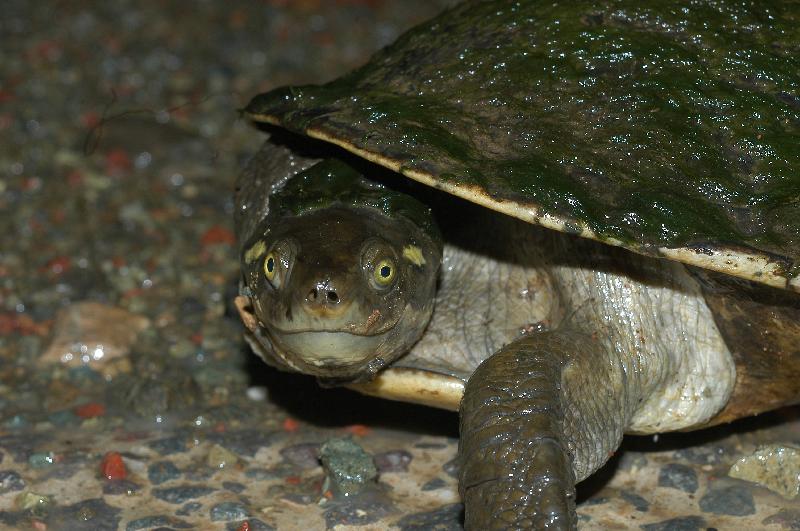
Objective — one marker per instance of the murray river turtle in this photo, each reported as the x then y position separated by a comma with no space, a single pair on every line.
608,242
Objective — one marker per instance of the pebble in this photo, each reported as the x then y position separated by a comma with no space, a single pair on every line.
119,487
447,518
157,521
639,503
189,508
434,484
245,442
348,467
181,494
683,523
785,518
253,524
678,476
228,511
776,467
87,515
234,486
162,471
113,467
168,445
32,501
303,455
393,461
359,511
91,333
10,481
41,460
732,500
220,457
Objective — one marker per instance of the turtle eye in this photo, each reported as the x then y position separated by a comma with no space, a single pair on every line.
384,272
271,269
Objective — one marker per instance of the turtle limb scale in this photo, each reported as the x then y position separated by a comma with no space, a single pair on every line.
542,413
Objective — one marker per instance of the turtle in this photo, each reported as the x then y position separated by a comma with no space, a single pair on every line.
566,221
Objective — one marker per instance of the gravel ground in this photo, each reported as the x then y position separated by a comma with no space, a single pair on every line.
127,397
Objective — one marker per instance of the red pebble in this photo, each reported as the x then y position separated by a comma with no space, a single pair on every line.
290,425
90,410
358,430
113,467
118,161
218,234
293,480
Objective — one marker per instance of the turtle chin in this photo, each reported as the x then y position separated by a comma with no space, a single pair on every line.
332,355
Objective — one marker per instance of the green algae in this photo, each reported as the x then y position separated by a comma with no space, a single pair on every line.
671,124
332,182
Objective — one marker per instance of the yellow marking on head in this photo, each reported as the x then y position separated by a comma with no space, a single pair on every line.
254,252
414,255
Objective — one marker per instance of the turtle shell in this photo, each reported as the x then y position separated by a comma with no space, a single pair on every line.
669,128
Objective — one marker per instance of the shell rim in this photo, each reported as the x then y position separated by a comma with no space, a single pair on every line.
757,266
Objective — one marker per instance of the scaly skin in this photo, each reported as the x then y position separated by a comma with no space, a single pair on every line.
536,417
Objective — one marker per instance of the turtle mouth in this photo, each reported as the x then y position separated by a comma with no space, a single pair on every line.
329,352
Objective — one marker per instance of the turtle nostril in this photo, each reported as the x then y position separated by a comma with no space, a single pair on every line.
333,298
312,295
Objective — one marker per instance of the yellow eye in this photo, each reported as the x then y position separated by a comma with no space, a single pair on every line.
384,272
270,266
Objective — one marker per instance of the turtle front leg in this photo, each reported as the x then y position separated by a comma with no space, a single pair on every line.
539,415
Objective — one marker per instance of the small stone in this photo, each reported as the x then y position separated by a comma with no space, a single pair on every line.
733,500
639,503
701,455
16,422
228,511
597,500
189,508
244,442
786,518
87,515
434,484
304,455
181,494
220,457
299,499
452,468
677,476
775,467
683,523
90,333
119,487
233,486
168,445
41,460
253,524
393,461
10,481
632,461
361,511
32,501
162,471
347,465
447,518
113,467
63,418
157,521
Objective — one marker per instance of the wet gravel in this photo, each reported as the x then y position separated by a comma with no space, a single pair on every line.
121,140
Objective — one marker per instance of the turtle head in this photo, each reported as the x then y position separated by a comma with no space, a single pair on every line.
341,289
